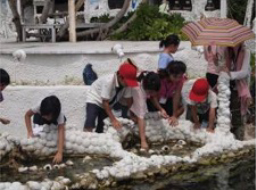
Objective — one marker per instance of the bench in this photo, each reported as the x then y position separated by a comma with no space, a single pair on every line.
51,27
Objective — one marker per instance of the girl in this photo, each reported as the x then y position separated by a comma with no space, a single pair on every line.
238,67
149,86
48,112
170,92
213,55
170,45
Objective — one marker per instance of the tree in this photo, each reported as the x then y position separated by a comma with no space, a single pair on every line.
249,12
16,18
128,22
103,31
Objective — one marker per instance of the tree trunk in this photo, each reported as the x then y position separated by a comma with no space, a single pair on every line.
64,28
248,14
48,5
72,20
127,23
103,30
16,18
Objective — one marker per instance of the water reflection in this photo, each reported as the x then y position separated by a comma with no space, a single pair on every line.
233,176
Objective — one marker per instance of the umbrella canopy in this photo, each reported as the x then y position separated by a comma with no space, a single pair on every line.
222,31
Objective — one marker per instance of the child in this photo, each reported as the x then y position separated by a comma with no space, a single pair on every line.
48,112
170,44
202,102
170,93
169,96
4,82
149,86
213,55
105,92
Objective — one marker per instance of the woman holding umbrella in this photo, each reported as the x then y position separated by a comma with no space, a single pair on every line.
238,68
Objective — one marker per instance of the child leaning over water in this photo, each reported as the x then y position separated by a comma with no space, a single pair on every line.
48,112
4,82
149,86
201,102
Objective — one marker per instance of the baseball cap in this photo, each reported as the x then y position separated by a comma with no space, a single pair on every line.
199,90
129,74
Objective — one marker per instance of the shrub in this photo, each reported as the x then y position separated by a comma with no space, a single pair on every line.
150,24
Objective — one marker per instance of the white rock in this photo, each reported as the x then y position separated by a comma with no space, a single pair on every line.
23,169
34,185
33,168
69,163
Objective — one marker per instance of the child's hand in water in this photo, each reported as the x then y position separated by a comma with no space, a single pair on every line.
163,113
173,121
117,124
57,158
196,126
5,121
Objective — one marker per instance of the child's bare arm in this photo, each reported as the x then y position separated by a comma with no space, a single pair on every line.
210,127
28,123
61,139
155,102
111,116
141,124
194,117
176,102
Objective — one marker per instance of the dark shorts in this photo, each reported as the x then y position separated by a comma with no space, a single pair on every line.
168,106
212,79
201,117
94,112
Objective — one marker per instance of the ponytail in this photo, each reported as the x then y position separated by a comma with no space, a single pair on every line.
172,39
150,80
162,44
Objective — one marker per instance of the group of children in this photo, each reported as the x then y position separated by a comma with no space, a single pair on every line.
135,93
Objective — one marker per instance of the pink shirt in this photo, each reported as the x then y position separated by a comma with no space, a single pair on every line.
168,88
212,58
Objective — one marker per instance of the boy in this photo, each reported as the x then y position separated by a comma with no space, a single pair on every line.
105,92
4,82
202,103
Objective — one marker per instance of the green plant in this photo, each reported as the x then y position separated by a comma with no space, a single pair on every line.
237,10
150,24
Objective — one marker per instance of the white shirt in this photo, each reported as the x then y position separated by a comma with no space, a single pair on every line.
245,70
139,106
105,88
60,120
202,107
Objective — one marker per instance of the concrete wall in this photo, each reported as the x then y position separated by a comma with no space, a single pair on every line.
64,65
18,99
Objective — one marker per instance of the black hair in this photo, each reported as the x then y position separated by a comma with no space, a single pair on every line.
172,39
51,105
150,81
176,68
234,55
4,77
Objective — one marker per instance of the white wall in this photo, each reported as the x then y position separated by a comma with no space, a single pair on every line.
43,68
18,99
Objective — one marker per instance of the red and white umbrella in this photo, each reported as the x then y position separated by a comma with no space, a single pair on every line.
222,31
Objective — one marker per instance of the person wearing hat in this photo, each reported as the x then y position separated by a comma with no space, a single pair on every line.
105,92
202,103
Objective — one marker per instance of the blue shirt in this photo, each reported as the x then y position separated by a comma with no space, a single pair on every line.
164,59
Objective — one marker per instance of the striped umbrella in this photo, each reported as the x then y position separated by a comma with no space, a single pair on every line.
222,31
